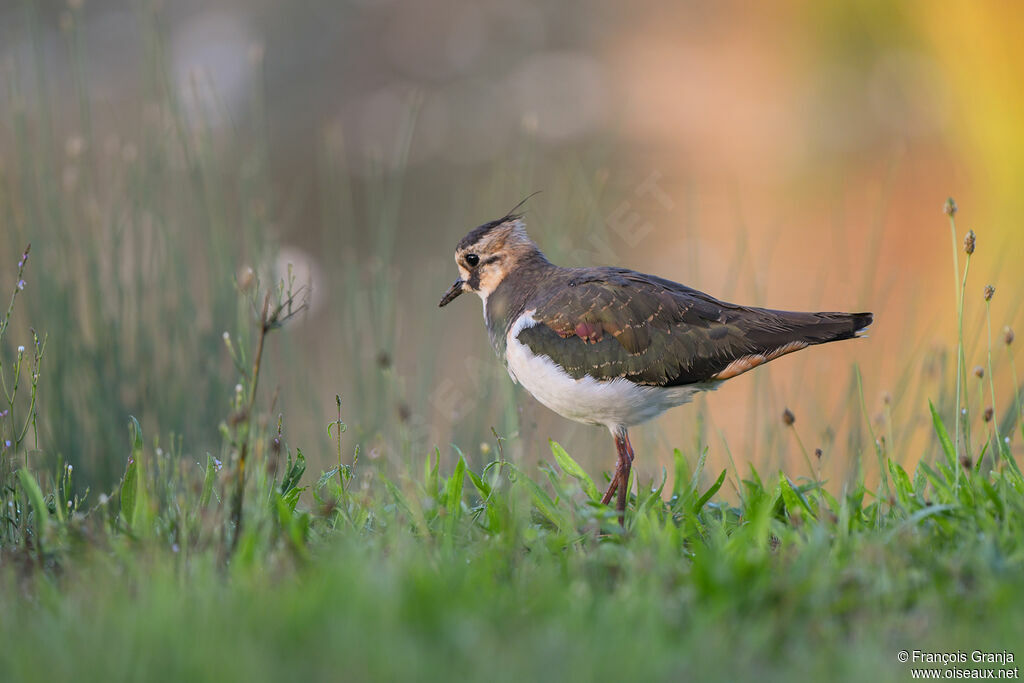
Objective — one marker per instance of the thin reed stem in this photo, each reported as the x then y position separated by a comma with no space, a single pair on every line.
958,300
803,449
1016,393
239,496
992,383
961,370
882,472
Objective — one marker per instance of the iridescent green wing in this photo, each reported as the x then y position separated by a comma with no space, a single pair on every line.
610,323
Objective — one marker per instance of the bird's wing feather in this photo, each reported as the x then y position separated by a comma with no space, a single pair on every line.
610,323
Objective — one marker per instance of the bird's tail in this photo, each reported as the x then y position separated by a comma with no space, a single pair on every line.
778,333
861,323
821,328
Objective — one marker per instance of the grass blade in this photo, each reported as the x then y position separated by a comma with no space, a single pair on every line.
944,440
573,469
453,496
712,490
37,501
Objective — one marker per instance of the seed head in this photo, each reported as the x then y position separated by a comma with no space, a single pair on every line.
1008,335
969,242
818,453
988,414
966,462
246,279
990,292
979,371
788,418
949,208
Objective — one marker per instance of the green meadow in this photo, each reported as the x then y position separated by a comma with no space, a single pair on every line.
176,506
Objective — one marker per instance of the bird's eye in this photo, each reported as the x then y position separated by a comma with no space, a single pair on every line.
472,260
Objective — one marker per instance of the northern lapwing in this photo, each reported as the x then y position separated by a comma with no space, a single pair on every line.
613,347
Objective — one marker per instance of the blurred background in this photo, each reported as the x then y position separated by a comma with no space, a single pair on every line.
790,154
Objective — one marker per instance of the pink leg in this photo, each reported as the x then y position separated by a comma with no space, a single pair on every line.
626,458
620,480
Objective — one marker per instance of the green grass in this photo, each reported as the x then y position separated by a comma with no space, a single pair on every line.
135,546
470,575
467,574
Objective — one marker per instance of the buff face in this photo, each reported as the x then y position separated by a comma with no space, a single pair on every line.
485,261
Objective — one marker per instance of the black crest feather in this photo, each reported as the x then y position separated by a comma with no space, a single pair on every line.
477,233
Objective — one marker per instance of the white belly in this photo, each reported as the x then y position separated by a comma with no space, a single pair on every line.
613,403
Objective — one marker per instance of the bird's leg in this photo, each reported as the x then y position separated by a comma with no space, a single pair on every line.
625,449
620,480
613,485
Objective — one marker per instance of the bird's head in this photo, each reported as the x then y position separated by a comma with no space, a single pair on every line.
488,253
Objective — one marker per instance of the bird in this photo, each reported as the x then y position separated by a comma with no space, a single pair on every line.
613,347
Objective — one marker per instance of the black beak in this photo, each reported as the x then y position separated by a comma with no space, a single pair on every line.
452,292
